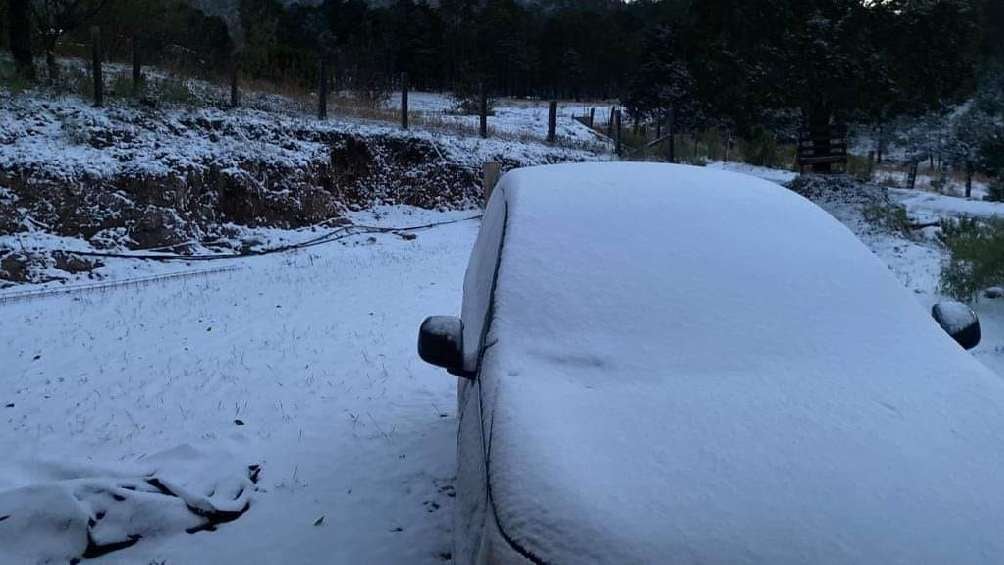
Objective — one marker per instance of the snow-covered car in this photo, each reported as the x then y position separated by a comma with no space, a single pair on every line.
668,364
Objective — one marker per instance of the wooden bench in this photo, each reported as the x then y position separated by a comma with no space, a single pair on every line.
822,148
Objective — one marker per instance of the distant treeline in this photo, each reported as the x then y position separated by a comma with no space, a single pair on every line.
727,61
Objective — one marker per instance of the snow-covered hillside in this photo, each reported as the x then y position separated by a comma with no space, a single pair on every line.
198,180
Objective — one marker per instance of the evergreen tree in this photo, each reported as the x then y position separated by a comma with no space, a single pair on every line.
19,12
662,86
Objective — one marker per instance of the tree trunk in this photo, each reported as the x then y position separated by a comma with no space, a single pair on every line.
96,74
51,64
137,68
322,89
969,179
880,150
19,12
911,179
483,111
235,93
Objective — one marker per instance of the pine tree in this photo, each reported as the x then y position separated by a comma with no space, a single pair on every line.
662,87
19,12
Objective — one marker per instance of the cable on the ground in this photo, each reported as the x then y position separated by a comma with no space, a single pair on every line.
330,237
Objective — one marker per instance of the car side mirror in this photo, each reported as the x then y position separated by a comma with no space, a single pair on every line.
441,343
959,321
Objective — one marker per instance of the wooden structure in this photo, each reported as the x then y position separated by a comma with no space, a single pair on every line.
322,88
552,121
404,100
822,149
492,174
483,111
137,67
235,68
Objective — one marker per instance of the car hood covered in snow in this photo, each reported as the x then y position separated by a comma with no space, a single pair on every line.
699,366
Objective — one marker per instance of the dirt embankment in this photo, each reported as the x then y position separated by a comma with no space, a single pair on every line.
138,209
127,178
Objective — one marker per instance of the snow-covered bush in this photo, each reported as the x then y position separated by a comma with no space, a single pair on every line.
976,259
889,216
175,91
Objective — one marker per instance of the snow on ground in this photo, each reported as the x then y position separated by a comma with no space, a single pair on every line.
301,363
780,176
932,205
921,262
53,134
927,181
132,177
519,117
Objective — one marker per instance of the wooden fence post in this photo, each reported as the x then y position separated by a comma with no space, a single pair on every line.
672,135
969,179
484,112
235,93
552,121
592,117
610,123
137,67
492,172
618,147
322,88
99,87
404,100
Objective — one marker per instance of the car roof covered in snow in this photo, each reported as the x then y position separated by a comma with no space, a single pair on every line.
700,366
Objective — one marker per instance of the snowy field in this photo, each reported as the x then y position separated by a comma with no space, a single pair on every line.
288,383
302,363
514,117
